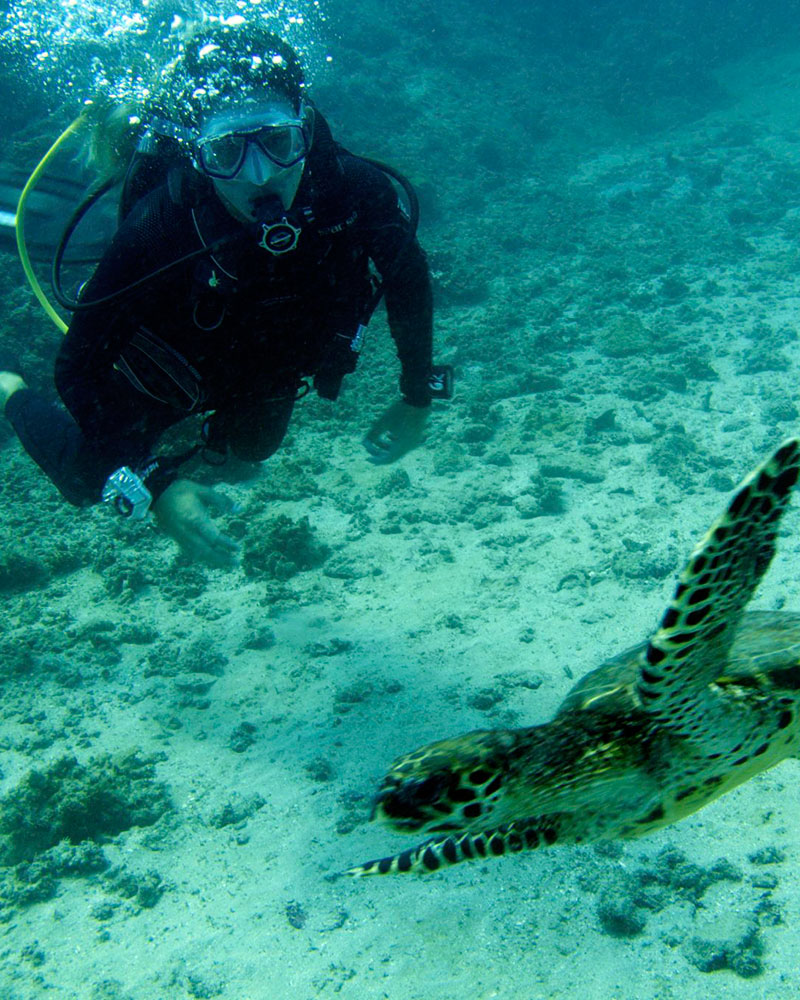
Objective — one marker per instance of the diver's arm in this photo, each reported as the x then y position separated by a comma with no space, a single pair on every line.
401,427
409,308
403,267
151,235
112,418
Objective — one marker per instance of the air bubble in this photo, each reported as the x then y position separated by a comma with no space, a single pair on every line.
78,48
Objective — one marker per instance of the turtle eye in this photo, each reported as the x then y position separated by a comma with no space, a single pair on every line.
411,799
425,792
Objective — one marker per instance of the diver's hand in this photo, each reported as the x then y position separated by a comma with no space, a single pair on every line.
395,432
183,511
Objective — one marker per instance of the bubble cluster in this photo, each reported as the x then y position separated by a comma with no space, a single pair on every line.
74,50
222,61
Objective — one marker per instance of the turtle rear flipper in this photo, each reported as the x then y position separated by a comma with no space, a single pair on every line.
681,678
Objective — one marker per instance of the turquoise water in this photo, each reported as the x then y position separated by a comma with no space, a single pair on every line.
609,204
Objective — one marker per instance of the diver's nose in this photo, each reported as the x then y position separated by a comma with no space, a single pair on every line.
257,167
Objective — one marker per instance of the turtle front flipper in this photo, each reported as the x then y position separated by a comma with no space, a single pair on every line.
440,852
681,675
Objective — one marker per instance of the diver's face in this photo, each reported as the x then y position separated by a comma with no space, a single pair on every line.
244,197
254,154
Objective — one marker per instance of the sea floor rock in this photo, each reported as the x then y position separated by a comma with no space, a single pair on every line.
74,802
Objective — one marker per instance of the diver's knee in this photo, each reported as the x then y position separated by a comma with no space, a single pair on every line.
10,383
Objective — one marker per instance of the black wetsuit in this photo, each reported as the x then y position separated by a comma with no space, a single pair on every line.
233,334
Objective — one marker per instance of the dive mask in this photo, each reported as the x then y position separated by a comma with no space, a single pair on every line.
256,154
223,150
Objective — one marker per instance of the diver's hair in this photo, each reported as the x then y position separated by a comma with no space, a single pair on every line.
110,138
219,63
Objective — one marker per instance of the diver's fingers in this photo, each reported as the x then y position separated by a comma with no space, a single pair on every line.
377,444
216,501
379,452
212,546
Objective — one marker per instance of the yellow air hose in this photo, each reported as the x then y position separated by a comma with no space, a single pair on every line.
38,291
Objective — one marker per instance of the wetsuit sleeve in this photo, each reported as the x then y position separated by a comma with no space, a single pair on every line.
403,267
110,421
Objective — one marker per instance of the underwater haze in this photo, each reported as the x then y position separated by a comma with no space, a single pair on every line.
610,207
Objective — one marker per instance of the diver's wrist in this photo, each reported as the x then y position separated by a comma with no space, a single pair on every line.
126,490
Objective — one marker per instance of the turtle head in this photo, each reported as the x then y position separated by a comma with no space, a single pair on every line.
453,785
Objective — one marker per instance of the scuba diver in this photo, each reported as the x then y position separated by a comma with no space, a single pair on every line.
251,252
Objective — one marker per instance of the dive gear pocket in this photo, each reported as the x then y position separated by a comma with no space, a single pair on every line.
159,371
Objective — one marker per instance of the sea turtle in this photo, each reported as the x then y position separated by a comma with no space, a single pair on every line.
645,739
